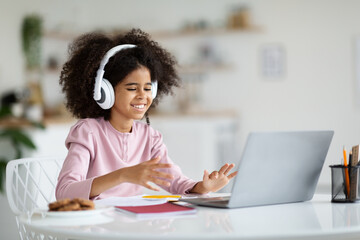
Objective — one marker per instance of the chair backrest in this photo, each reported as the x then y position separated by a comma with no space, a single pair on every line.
31,182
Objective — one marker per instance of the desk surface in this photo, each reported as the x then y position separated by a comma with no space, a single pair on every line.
318,218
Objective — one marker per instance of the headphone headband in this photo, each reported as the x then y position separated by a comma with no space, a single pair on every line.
112,52
100,72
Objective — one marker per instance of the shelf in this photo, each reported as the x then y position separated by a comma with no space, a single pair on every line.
60,35
12,122
226,113
68,36
205,32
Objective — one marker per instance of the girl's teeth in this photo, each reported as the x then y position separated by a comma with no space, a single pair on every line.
139,106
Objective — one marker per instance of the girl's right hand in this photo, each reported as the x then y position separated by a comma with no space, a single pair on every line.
146,172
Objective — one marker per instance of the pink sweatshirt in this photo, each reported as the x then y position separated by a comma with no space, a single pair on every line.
96,148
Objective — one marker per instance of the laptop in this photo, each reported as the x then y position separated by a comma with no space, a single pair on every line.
275,168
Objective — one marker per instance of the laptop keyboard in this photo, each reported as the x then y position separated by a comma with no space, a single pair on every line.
217,200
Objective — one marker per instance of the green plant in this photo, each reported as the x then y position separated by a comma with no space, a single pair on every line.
19,141
31,32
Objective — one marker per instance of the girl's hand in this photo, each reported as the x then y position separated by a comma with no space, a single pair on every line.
146,172
215,181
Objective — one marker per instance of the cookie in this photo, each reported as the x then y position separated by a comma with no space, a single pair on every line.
84,203
72,206
60,203
75,204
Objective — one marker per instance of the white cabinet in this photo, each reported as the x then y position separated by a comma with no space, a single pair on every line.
50,141
195,143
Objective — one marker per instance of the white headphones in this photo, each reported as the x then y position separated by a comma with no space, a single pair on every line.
103,91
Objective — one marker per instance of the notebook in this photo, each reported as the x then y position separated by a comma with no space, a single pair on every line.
275,168
159,210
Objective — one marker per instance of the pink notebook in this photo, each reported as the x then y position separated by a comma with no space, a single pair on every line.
164,209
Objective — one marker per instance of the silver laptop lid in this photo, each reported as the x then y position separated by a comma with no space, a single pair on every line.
280,167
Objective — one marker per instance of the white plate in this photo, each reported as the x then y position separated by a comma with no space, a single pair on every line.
83,213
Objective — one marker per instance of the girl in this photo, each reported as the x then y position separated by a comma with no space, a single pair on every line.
110,83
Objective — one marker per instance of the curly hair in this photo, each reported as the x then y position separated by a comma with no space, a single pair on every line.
77,77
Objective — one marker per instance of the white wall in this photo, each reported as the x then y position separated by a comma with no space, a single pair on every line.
317,91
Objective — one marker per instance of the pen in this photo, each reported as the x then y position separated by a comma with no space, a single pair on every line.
350,159
346,173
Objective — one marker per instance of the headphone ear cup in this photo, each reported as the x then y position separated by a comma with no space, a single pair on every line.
154,87
107,95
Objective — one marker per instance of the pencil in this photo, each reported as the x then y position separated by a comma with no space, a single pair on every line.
162,196
347,181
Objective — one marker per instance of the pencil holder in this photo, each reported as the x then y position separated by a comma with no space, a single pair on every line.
344,184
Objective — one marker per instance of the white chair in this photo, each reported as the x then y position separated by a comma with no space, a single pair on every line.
30,185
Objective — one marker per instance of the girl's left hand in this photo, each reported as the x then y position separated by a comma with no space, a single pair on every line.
218,179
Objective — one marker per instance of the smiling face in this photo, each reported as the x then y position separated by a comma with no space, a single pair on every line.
132,99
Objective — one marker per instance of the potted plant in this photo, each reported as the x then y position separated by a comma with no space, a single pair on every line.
31,32
19,141
16,136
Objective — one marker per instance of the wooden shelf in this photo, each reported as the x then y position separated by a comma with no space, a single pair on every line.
12,122
68,36
226,113
205,32
59,35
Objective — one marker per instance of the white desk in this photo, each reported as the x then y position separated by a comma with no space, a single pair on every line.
316,219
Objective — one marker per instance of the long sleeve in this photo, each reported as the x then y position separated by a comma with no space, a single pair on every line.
73,181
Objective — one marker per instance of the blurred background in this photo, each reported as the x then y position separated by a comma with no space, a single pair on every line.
259,65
